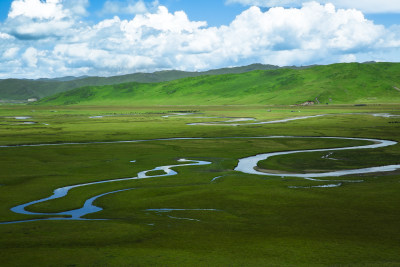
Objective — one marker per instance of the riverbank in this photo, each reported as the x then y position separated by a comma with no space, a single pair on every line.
213,214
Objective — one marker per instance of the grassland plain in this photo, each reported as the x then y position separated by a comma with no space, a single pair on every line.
331,84
257,221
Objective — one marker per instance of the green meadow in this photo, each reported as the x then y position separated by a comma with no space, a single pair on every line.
351,83
237,219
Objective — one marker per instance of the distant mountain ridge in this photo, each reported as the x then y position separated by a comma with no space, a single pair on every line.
22,89
345,83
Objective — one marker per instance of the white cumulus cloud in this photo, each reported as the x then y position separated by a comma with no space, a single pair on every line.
51,9
10,53
157,40
30,57
37,19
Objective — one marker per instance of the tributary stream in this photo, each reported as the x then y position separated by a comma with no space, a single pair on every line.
245,165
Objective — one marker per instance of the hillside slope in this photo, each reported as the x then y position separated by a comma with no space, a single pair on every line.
19,89
333,84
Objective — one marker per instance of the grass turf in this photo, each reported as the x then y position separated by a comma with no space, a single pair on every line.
258,220
331,84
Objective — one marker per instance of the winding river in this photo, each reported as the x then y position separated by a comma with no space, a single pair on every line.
248,164
89,207
245,165
239,121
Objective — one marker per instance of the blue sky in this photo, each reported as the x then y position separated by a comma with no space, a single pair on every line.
215,12
53,38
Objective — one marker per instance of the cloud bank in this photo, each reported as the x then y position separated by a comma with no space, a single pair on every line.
49,39
367,6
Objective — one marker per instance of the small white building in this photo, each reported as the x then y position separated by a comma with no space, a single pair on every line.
307,103
32,99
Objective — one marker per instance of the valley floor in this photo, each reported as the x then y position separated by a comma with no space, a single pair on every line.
159,185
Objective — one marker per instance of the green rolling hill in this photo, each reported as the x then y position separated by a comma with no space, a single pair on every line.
333,84
22,89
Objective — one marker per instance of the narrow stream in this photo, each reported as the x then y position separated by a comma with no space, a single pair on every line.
245,165
89,207
234,122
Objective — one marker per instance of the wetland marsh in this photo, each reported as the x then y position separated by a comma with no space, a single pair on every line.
195,209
